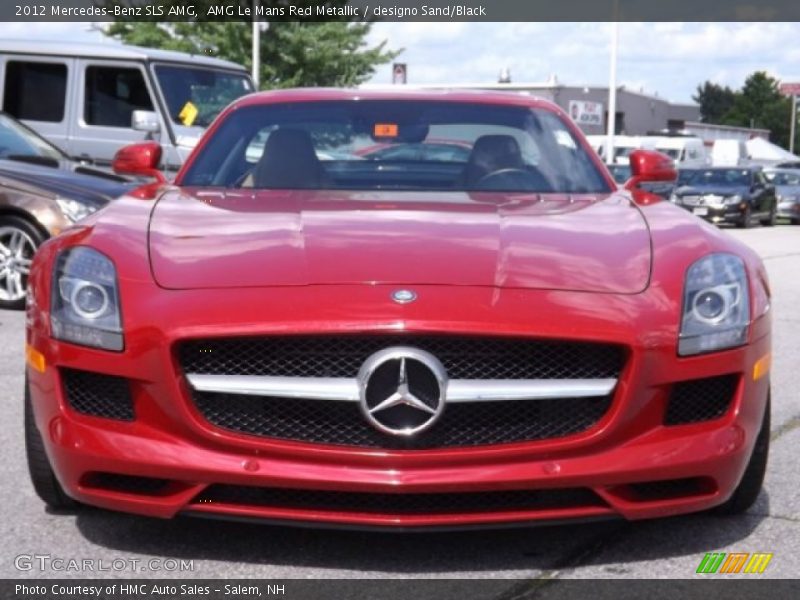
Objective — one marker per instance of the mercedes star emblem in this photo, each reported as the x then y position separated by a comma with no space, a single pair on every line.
404,296
402,390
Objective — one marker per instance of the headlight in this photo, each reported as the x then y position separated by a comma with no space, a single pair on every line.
673,197
85,300
716,305
74,210
735,199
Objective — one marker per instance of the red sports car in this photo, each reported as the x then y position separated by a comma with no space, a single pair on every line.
290,333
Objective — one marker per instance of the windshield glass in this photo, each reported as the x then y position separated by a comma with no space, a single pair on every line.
395,144
673,153
18,140
621,173
195,96
723,177
783,178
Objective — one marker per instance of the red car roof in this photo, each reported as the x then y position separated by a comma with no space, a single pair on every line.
327,94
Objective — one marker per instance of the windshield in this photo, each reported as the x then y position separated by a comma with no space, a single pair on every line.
195,96
621,173
707,177
395,144
16,140
673,153
783,178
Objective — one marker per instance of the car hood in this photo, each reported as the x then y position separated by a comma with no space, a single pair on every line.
715,190
211,239
788,190
70,180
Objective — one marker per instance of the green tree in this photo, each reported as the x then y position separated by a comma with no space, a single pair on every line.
293,54
715,101
760,104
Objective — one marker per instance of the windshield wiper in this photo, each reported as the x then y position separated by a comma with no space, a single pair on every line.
46,161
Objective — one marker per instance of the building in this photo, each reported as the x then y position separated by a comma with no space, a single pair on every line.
637,113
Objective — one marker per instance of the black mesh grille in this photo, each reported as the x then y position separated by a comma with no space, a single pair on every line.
463,502
98,395
341,423
700,400
131,484
343,355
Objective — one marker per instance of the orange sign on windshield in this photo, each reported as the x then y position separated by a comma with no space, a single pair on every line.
385,130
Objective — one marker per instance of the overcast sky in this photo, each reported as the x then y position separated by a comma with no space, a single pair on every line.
669,59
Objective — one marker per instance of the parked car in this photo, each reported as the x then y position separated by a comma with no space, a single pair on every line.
42,191
737,195
416,344
622,173
729,153
429,150
623,146
92,99
686,151
787,188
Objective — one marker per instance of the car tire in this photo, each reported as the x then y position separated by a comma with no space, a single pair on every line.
44,480
746,493
773,218
11,227
746,220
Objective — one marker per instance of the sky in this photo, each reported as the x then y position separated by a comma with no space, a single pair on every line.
667,59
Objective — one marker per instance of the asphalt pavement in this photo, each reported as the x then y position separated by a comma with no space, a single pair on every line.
669,548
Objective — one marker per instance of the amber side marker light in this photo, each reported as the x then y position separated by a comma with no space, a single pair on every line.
35,359
762,366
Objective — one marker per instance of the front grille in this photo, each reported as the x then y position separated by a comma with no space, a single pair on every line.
341,423
98,395
130,484
700,399
342,356
401,504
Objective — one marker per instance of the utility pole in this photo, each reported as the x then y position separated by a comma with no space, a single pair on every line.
256,46
612,89
793,90
794,121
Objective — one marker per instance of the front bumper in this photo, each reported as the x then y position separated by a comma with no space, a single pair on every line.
717,214
788,210
627,450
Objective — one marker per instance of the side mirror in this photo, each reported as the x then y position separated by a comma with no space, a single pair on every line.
145,120
649,166
140,160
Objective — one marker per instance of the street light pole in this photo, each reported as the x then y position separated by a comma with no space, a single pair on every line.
256,46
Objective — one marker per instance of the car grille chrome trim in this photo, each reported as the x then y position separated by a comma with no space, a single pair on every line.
347,389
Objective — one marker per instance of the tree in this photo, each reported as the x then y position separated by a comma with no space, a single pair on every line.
760,104
715,101
293,54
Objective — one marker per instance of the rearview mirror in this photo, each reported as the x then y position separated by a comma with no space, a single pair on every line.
140,160
648,166
145,120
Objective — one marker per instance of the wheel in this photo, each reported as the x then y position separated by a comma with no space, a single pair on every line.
746,221
772,219
19,240
749,487
44,480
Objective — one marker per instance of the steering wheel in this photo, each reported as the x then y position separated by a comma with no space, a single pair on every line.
510,178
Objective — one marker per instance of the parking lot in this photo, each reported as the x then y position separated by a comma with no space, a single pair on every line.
670,548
